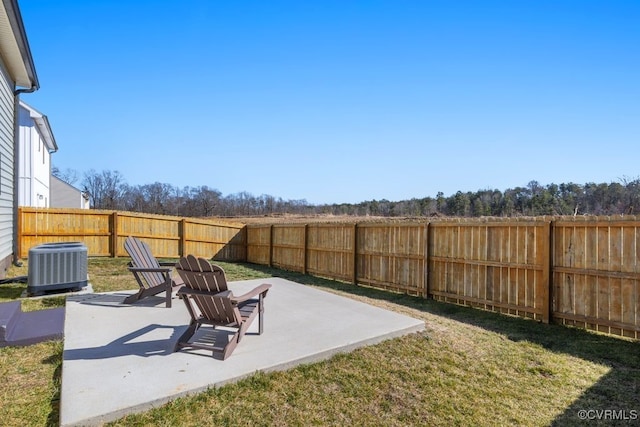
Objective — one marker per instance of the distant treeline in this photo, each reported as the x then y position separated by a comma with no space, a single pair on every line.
108,190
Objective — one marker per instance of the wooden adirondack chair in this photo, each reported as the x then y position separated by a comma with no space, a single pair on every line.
210,302
152,276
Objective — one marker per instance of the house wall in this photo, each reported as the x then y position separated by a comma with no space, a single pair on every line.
34,167
7,124
64,195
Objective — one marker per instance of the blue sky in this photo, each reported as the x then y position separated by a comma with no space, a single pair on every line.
341,101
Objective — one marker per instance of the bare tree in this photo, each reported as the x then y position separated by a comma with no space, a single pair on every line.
201,201
105,189
70,176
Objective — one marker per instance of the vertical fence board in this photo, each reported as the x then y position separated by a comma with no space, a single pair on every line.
628,298
592,302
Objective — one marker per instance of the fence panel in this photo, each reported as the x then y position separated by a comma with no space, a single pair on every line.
330,250
215,240
596,275
259,244
288,247
392,256
161,233
38,226
499,266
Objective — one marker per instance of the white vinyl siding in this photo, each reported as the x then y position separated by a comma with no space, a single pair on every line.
6,163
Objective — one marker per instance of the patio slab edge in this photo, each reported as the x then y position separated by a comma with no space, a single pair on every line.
312,358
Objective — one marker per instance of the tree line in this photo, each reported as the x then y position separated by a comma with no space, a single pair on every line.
109,190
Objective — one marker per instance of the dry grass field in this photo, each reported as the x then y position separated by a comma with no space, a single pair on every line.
301,219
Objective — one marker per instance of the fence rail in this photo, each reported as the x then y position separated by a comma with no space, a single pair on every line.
582,272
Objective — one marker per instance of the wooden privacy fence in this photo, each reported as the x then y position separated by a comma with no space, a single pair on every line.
103,232
579,271
582,271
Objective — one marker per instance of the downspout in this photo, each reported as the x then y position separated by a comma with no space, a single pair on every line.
16,163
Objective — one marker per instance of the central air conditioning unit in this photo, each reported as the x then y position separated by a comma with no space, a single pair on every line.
57,266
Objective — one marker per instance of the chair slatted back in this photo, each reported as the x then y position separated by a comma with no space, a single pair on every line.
199,274
216,309
142,257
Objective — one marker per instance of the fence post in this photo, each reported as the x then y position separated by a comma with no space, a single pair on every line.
182,227
114,234
304,249
355,253
427,285
550,269
547,282
18,253
245,237
271,245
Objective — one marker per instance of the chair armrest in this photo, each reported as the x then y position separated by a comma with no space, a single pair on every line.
167,264
149,270
262,289
177,281
188,291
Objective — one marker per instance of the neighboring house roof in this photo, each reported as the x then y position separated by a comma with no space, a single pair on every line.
43,125
14,46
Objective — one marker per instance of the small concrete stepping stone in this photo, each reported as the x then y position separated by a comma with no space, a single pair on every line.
18,328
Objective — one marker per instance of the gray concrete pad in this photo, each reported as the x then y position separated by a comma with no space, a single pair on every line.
118,359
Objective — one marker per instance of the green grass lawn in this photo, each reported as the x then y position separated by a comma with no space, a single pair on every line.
469,368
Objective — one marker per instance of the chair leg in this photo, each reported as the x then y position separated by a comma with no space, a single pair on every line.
184,338
260,314
168,296
228,349
133,298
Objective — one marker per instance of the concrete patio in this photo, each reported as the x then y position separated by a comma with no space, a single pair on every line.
118,359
